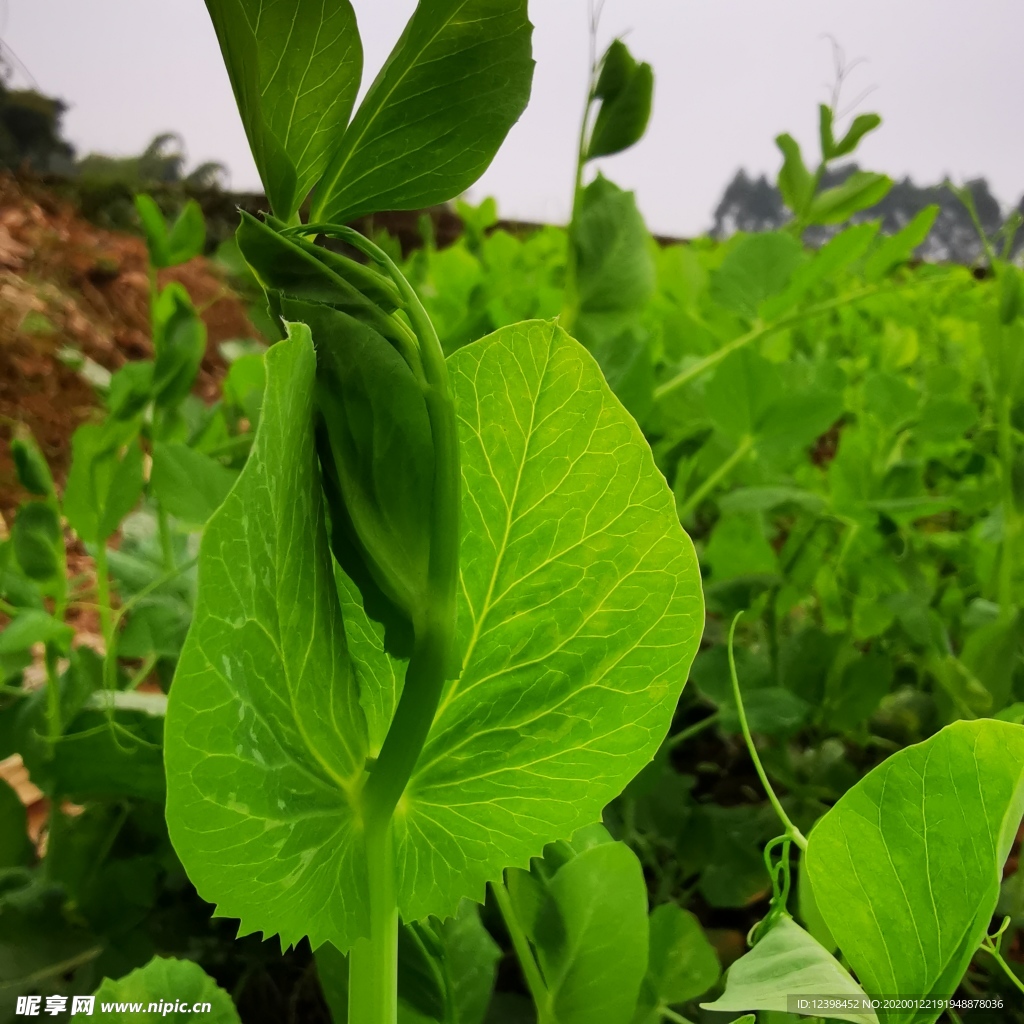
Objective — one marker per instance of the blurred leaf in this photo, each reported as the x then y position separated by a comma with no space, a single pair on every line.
188,485
174,981
860,191
796,183
898,248
625,89
38,540
15,848
862,124
180,343
188,234
105,482
30,465
756,268
33,627
681,964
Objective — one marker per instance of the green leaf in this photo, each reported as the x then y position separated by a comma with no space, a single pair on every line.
295,71
906,867
455,83
446,971
591,937
796,183
180,342
154,227
15,848
785,964
862,124
580,614
265,739
861,190
614,282
187,484
93,761
625,89
30,465
756,268
377,456
188,234
104,484
38,540
681,964
833,257
166,980
898,248
33,627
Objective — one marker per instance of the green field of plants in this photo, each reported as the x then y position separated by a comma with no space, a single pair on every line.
555,626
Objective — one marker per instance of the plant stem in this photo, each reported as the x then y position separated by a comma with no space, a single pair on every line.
694,500
520,943
166,540
791,830
571,299
373,963
664,1011
103,592
692,730
1010,523
698,369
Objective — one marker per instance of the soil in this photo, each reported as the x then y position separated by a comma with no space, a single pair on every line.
67,284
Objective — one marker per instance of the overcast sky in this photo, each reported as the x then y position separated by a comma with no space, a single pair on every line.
729,75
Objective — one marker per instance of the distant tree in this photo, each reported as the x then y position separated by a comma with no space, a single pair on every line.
750,204
30,133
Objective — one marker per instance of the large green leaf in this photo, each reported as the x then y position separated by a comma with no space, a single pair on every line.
295,70
264,737
784,965
165,980
580,613
906,867
455,83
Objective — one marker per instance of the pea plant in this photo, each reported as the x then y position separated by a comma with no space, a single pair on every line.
447,610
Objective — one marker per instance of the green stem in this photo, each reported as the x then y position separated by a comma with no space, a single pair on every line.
373,963
991,945
571,299
103,592
693,501
53,716
524,953
1010,523
698,369
166,540
664,1011
692,730
791,830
